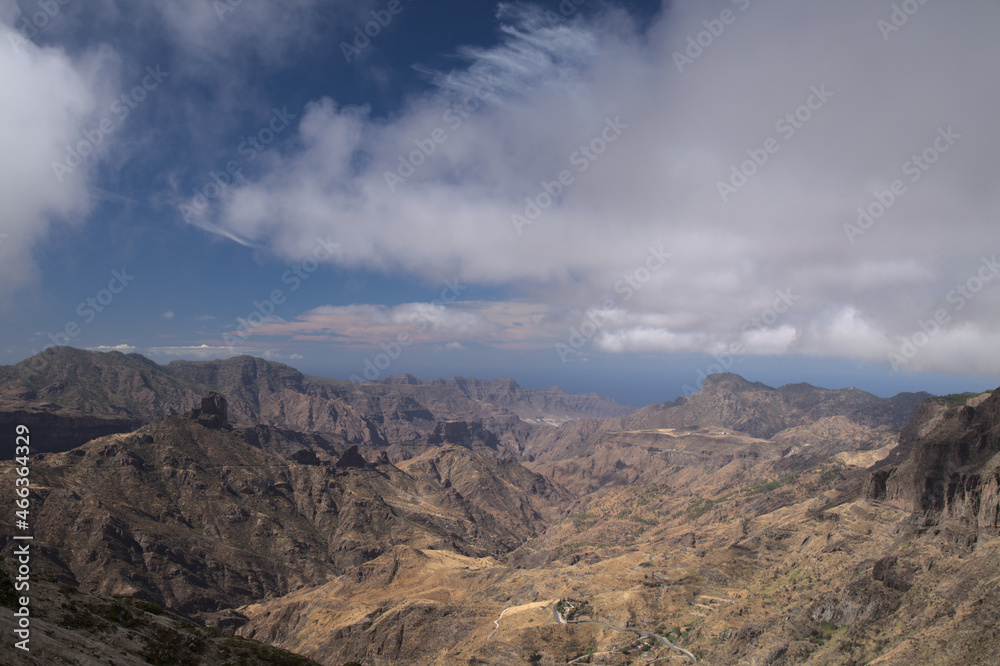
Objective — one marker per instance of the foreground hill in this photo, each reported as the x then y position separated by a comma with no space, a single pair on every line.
739,564
71,626
185,513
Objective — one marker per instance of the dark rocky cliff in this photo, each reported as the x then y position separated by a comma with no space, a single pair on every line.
952,471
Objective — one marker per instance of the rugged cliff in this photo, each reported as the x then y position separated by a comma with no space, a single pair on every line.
952,471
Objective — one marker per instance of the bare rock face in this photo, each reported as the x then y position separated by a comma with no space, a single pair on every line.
352,458
953,470
213,412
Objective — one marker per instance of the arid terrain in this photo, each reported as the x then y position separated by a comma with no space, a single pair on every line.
237,512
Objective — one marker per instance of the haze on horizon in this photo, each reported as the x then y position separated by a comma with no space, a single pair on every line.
616,197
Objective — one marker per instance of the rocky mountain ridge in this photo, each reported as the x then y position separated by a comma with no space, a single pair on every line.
127,389
745,524
185,513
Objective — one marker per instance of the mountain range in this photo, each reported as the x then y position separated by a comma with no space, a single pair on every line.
252,508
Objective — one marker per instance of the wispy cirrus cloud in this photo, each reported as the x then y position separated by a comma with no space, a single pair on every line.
486,322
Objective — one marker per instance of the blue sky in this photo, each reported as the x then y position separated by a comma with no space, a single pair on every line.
611,197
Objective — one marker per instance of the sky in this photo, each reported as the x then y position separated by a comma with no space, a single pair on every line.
618,197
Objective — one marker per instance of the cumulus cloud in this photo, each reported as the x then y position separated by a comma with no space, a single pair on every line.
46,98
123,348
839,111
205,352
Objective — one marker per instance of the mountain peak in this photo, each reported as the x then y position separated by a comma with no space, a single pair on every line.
730,380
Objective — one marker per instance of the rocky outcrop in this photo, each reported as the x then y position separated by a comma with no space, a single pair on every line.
470,435
953,467
213,412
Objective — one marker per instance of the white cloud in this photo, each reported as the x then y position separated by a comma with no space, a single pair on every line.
644,339
123,348
657,184
553,87
203,352
45,99
548,91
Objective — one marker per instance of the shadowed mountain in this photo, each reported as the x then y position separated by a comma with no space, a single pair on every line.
184,512
71,626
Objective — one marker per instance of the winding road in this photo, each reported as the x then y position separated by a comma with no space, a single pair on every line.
496,622
642,634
